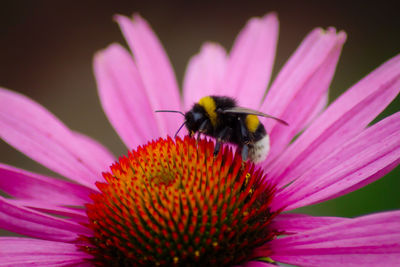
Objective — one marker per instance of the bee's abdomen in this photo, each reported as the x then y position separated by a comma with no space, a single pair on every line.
259,150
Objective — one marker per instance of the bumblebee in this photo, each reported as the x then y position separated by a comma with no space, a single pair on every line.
221,118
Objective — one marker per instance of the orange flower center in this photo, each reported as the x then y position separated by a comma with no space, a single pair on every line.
175,203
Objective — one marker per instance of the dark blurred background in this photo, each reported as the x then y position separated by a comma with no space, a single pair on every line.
47,49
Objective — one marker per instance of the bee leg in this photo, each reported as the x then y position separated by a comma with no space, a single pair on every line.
244,149
243,131
201,130
222,136
217,147
245,152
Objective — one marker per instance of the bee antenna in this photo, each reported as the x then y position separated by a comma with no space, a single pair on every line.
281,121
173,111
179,129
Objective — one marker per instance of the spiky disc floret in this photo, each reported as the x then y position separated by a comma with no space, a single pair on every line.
174,203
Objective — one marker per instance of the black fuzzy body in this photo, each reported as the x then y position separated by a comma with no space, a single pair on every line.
229,127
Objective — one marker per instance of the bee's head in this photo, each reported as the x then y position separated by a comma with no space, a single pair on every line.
193,120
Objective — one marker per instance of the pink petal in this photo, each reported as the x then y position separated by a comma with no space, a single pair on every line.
98,153
250,62
154,68
372,240
204,74
26,185
76,214
362,160
292,223
34,131
297,92
124,97
17,251
343,120
31,223
318,109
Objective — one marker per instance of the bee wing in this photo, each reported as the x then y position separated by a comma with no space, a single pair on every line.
240,110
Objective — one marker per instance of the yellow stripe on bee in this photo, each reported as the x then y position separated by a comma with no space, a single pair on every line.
208,104
252,123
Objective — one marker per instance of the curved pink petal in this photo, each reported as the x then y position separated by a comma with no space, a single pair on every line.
98,153
124,97
204,74
250,62
344,119
154,68
31,223
76,214
16,251
372,240
362,160
34,187
318,109
291,223
308,102
296,94
34,131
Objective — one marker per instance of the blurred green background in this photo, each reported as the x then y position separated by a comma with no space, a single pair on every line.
47,49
